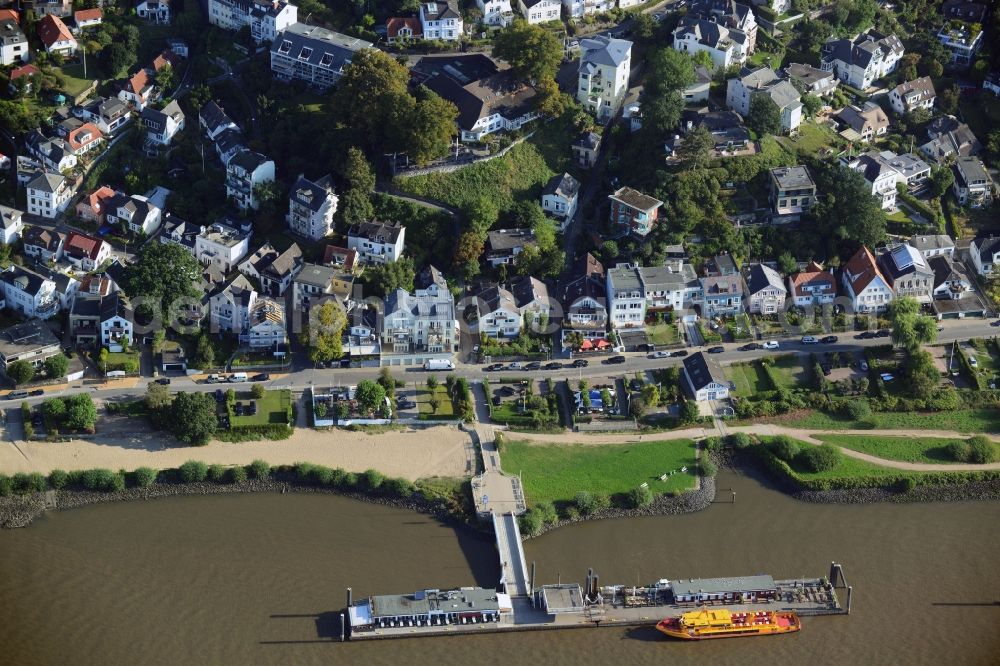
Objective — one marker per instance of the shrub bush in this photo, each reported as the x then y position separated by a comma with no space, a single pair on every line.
257,391
906,484
29,483
304,471
585,502
397,487
819,458
193,471
144,477
856,410
102,479
259,469
217,473
548,512
238,474
322,475
708,468
640,496
349,481
372,479
6,486
784,447
981,450
740,440
711,443
958,451
58,479
530,522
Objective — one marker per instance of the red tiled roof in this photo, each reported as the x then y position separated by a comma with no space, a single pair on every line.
168,57
88,14
51,29
864,269
97,198
813,274
75,136
138,82
393,25
10,14
23,70
78,243
350,256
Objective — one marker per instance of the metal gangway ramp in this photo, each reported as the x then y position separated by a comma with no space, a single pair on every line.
513,566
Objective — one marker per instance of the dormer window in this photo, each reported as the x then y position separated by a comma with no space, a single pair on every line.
305,53
285,47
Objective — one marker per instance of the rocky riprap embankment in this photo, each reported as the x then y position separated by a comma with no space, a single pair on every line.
21,510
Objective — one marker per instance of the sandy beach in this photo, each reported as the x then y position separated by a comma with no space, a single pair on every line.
411,454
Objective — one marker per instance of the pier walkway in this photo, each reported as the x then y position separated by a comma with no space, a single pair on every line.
499,496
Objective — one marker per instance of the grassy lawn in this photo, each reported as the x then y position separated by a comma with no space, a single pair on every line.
517,176
271,409
812,138
846,468
445,410
960,420
907,449
509,411
708,335
76,82
739,328
119,360
663,334
749,378
553,472
789,372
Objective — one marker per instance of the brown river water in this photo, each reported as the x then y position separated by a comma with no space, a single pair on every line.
258,579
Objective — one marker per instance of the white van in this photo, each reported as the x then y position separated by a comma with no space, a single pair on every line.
439,364
237,377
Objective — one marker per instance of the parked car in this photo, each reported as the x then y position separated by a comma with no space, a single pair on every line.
615,360
493,367
995,322
770,344
809,340
506,391
405,404
37,392
865,335
219,395
829,339
580,363
37,419
213,379
680,353
863,365
886,377
750,346
163,381
883,333
534,365
973,362
660,354
262,377
497,401
827,368
716,350
15,395
635,385
555,365
514,366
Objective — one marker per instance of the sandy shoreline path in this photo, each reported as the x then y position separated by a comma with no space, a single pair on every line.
411,454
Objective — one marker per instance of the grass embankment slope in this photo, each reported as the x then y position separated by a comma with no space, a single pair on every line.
972,421
554,472
906,449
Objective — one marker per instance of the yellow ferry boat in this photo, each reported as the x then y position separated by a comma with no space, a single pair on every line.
721,623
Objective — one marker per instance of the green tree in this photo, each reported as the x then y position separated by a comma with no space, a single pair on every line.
166,79
389,277
811,104
193,418
640,496
819,458
533,52
430,127
56,366
257,391
787,264
368,93
432,382
387,381
204,353
689,411
20,372
325,332
370,396
200,95
910,329
764,116
695,149
549,101
980,450
355,207
163,272
847,216
54,410
941,180
157,397
81,414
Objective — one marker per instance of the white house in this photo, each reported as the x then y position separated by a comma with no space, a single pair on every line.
246,172
138,90
421,322
313,54
221,246
580,8
154,11
539,11
11,224
973,186
377,242
503,245
985,253
85,252
560,196
109,114
136,212
266,327
214,120
704,379
272,269
585,304
603,75
496,12
741,90
55,36
88,18
880,176
13,43
727,47
53,153
626,297
441,20
48,194
909,96
499,316
812,286
265,19
229,307
531,296
43,245
28,293
766,292
162,124
859,62
908,272
934,245
311,205
117,322
865,284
